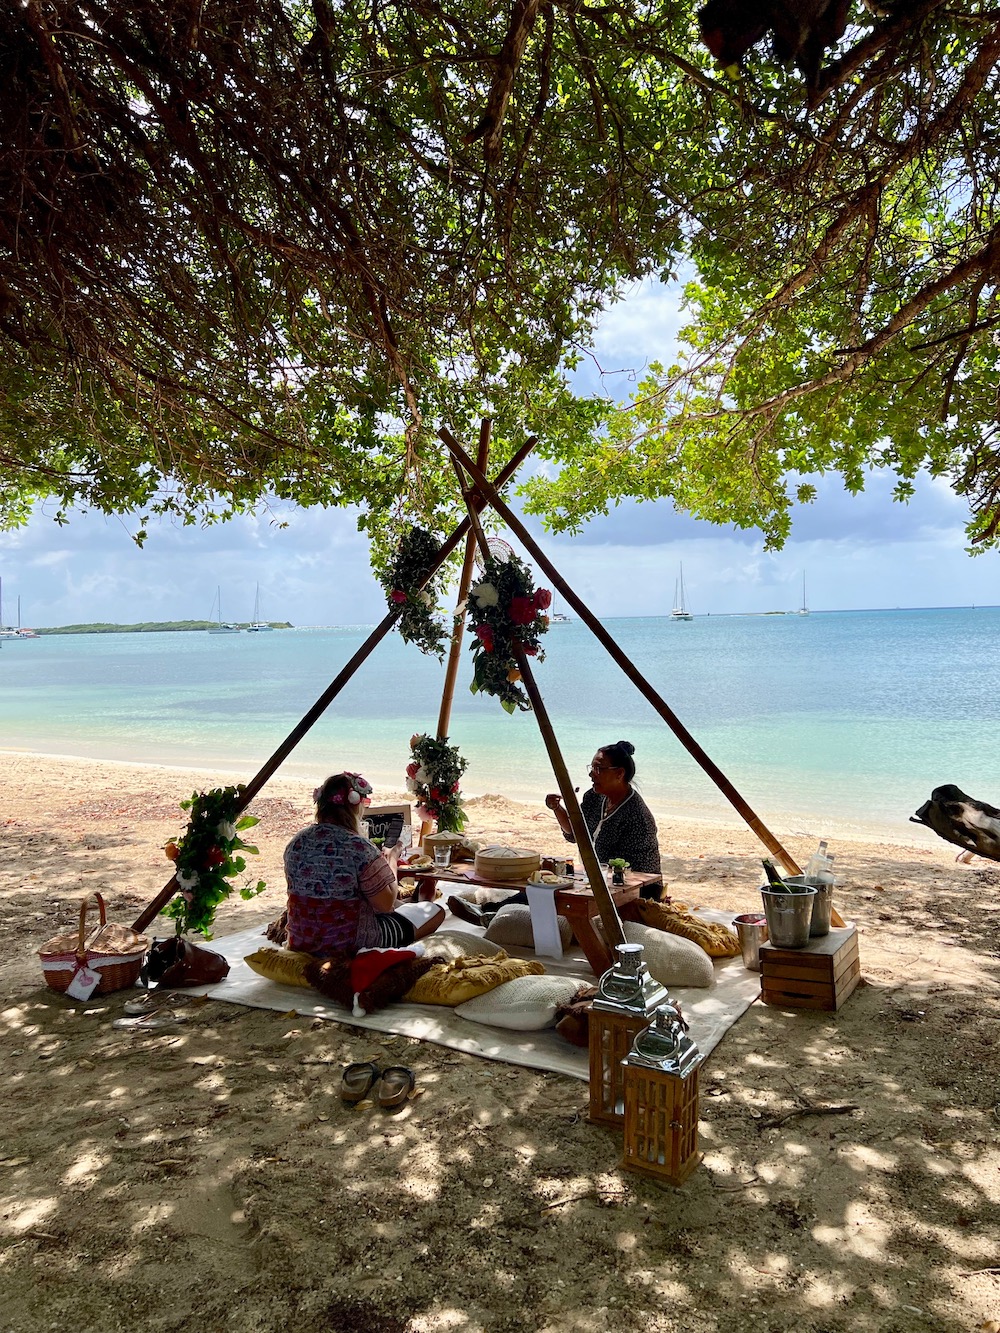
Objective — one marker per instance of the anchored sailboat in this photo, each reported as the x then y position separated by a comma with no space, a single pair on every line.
13,631
680,611
223,627
803,609
258,626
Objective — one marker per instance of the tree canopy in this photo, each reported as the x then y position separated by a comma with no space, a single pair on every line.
269,248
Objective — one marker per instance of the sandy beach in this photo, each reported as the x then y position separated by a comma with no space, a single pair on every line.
209,1178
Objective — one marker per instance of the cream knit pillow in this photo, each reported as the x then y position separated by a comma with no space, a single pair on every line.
452,944
526,1004
671,959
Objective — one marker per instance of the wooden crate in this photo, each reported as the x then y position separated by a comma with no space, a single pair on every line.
820,976
661,1124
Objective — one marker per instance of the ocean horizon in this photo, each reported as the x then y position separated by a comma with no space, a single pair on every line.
839,721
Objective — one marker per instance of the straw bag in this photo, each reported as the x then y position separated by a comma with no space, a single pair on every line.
114,953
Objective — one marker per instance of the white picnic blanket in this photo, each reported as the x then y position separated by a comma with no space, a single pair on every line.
710,1012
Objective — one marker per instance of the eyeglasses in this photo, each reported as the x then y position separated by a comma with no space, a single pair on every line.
600,768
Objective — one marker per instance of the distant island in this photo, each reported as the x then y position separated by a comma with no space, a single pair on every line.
151,627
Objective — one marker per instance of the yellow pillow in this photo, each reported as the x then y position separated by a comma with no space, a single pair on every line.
717,940
282,965
465,978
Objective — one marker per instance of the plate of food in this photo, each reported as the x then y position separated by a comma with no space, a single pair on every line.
546,879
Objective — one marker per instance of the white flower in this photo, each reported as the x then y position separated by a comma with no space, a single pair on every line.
226,830
422,775
485,594
188,879
426,598
411,784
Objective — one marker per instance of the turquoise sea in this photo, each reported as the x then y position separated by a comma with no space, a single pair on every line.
836,721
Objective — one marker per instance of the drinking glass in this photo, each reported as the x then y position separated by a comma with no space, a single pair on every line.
442,856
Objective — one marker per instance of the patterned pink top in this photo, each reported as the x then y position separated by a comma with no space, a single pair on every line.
332,876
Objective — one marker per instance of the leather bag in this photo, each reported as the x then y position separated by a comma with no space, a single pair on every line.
176,962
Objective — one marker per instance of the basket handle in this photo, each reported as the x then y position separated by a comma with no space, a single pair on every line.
81,951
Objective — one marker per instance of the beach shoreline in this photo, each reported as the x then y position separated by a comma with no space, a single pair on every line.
297,778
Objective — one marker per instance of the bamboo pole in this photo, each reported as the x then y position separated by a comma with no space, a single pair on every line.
613,931
635,676
271,766
464,583
610,919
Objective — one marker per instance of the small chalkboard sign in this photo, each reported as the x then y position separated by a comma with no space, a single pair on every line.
386,822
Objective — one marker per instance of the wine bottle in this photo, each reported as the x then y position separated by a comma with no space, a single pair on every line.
773,878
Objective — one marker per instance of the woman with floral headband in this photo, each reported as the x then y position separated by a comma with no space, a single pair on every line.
342,891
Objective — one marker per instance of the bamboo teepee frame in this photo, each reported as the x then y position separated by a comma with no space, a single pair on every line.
479,493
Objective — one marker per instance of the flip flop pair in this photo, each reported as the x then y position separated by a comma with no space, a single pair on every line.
395,1083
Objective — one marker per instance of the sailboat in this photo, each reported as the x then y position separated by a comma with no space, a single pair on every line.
803,609
222,627
680,611
258,626
13,631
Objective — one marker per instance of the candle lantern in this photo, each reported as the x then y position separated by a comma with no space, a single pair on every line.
661,1100
627,998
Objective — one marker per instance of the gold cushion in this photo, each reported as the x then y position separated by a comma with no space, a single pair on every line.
464,978
282,965
717,940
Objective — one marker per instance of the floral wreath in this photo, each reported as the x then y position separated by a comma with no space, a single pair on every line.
505,609
433,776
408,585
207,857
360,790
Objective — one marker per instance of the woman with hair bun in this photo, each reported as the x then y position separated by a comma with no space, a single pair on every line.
619,820
342,891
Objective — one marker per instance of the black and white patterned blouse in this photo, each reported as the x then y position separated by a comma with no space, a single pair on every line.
629,832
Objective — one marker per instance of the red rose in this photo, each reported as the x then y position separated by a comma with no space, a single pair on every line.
398,596
543,599
454,786
530,650
215,857
411,769
484,633
435,794
522,610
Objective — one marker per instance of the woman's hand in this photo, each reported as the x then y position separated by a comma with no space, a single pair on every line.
392,854
553,800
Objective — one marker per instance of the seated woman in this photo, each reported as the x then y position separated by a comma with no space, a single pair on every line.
619,820
342,891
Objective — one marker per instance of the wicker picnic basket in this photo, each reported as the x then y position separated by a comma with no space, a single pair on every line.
115,952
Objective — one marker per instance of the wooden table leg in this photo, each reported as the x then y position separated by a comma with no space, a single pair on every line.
593,944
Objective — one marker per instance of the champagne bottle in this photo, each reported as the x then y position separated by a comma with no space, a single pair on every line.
773,878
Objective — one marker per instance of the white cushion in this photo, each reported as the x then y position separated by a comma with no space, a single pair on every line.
525,1004
671,959
511,928
452,944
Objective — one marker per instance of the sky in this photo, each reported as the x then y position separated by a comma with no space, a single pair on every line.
855,552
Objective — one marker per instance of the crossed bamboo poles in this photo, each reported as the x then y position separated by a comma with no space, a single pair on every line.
479,494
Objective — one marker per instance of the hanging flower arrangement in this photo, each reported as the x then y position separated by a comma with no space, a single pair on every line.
433,776
208,856
402,579
505,608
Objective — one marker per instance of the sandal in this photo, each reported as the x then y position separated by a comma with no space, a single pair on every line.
395,1086
358,1079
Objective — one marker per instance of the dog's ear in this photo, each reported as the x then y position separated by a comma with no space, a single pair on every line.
392,984
332,978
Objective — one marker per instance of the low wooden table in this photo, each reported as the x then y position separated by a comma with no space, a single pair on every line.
577,904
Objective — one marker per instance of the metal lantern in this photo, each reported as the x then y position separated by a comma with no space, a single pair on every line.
627,998
661,1100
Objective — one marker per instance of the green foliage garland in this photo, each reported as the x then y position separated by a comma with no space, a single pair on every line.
402,579
207,858
433,775
505,608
